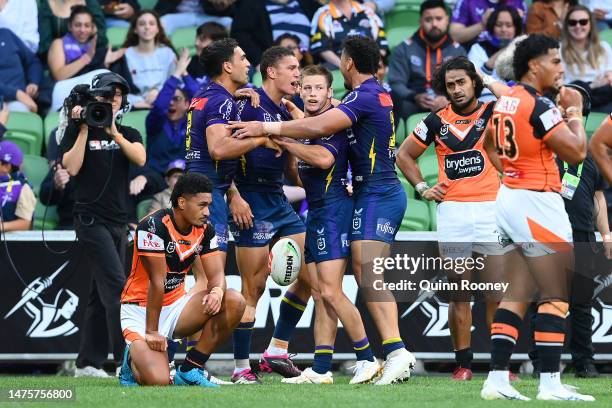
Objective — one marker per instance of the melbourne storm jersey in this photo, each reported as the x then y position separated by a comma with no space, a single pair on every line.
372,136
322,185
260,170
212,104
158,236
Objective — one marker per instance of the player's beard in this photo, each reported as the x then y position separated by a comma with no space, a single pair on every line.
458,107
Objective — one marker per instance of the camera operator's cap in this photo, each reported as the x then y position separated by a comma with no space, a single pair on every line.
108,79
10,153
176,165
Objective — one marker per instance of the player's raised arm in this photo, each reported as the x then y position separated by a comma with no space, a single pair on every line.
600,146
325,124
156,270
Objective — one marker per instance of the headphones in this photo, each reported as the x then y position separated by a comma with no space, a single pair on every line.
107,79
586,98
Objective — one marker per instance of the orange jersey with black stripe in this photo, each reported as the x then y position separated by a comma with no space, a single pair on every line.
157,235
522,121
462,161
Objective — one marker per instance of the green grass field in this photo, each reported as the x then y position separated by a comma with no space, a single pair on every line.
419,392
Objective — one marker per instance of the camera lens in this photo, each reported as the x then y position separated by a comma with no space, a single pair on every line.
98,114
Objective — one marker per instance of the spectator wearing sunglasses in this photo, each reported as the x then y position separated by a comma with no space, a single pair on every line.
586,59
166,126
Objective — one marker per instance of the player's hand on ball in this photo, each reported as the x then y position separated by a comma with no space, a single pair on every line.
156,341
212,303
246,129
436,193
241,212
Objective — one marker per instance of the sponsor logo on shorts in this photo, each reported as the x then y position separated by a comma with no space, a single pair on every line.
469,163
385,227
344,240
321,243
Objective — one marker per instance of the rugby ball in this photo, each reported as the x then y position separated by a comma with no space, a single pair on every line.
285,259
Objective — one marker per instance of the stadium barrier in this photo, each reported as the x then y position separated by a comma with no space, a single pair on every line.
42,316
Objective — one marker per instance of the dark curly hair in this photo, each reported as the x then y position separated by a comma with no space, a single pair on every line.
364,52
439,78
188,185
534,46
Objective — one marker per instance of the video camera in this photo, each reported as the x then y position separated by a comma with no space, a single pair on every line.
95,113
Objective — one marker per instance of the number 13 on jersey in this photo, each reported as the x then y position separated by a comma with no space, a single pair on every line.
505,137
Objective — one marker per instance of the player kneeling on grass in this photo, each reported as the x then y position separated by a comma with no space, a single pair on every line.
155,306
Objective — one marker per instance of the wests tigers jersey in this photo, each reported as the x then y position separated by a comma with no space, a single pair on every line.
522,121
158,236
462,161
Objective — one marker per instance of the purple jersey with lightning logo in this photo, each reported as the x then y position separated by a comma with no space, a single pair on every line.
212,104
372,136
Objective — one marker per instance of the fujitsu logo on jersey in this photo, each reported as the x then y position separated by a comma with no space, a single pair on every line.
507,104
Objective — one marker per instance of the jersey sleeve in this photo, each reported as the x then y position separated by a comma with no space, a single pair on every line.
151,236
210,244
355,105
219,110
545,119
461,13
424,132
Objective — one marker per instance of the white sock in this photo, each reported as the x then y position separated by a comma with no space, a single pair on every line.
276,351
550,380
241,365
499,377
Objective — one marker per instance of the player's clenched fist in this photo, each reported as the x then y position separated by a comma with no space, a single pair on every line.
156,341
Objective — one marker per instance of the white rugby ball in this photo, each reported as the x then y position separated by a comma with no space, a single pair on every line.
285,259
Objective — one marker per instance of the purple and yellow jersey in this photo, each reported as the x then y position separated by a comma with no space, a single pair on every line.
372,136
260,170
323,185
212,104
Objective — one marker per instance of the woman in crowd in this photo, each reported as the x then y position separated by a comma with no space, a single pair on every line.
150,58
587,61
503,26
53,16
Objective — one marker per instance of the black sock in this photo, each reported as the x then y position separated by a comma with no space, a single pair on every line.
464,358
549,336
194,359
504,333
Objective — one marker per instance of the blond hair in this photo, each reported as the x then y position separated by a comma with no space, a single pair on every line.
572,57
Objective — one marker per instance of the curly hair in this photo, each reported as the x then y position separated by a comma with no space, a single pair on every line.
188,185
132,38
534,46
364,52
459,63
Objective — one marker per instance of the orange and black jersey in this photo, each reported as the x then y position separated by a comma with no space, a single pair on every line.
157,235
462,161
522,121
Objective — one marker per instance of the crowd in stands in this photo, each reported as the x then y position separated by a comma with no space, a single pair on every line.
49,46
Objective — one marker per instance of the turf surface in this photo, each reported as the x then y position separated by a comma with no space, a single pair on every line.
434,391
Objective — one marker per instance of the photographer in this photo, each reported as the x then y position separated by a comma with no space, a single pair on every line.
97,155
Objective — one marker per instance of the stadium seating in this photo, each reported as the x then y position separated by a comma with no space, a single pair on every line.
400,133
429,168
338,84
36,169
402,16
606,35
433,215
26,130
50,219
136,119
257,80
593,121
142,209
147,4
50,123
184,38
116,36
396,35
408,188
416,217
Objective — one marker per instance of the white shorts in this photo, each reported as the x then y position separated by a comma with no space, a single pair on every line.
133,319
535,221
467,227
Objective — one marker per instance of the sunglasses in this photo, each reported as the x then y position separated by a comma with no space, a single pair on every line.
582,22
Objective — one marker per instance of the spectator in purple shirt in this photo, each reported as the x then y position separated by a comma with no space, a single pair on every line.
469,20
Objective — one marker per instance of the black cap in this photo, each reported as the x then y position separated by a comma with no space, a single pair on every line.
110,79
